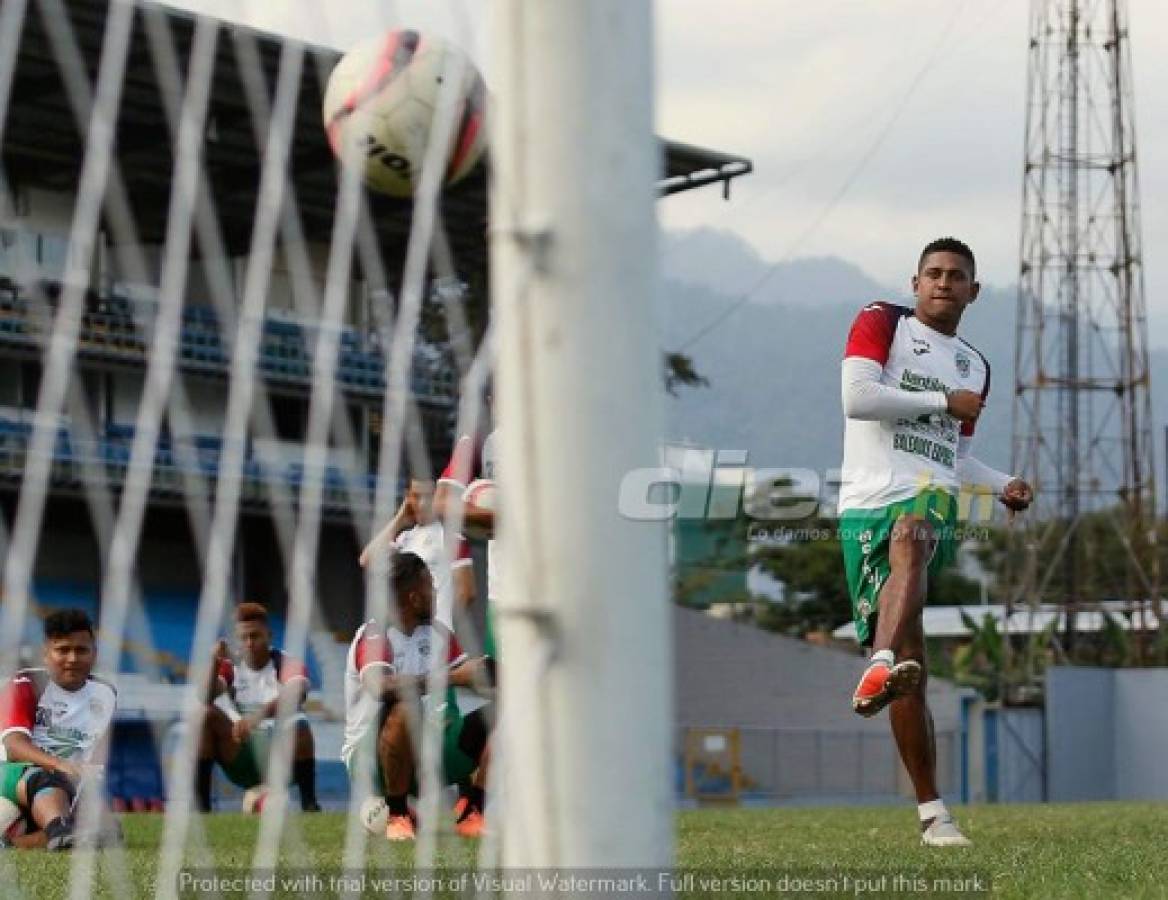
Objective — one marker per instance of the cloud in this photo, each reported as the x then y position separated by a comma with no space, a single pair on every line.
873,126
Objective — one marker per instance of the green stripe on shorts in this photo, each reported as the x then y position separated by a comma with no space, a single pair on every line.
10,775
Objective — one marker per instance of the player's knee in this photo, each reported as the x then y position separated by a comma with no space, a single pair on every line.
38,780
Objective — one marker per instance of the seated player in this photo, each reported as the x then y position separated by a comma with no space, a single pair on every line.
54,723
246,699
385,696
416,528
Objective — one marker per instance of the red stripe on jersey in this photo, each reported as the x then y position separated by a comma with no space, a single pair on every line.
18,703
227,671
464,462
455,650
371,649
872,331
462,551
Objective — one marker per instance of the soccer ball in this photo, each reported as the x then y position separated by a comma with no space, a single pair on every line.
374,815
380,103
254,799
480,492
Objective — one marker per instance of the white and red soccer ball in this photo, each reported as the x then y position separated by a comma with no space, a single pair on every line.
374,814
380,103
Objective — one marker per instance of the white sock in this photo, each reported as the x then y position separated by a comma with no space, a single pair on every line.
931,810
884,656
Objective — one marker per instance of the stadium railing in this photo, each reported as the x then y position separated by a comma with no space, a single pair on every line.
110,330
110,452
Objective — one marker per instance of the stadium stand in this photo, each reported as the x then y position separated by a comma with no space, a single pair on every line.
43,149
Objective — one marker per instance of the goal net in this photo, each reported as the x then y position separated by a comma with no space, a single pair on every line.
224,365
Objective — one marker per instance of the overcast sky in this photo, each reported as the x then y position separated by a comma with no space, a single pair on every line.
873,127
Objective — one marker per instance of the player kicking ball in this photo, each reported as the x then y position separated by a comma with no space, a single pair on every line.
912,393
54,725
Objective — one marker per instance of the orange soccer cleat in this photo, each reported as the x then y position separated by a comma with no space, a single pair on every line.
881,684
469,820
399,828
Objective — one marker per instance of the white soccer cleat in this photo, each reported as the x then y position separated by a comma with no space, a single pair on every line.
942,831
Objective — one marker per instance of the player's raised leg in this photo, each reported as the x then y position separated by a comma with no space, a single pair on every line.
901,601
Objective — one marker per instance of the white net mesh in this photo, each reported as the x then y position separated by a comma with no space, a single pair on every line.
219,358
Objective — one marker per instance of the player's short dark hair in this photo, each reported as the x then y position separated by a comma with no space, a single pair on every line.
948,245
405,570
64,622
251,612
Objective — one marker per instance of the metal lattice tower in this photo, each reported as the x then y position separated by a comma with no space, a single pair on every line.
1082,408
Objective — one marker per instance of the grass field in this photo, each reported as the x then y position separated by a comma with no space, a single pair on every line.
1096,851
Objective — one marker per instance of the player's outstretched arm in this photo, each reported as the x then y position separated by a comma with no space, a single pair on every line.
1011,491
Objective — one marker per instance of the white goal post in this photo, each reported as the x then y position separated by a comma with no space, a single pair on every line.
585,635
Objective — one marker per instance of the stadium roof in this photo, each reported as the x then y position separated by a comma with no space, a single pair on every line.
43,145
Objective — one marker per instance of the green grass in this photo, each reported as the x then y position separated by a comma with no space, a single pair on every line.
1091,851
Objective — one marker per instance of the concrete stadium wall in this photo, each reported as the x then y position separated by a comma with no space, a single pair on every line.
1106,733
791,702
1141,734
1080,728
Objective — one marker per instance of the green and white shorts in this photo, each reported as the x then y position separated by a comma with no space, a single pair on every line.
865,537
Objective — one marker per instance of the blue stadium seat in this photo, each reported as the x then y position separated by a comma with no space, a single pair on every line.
171,616
133,770
66,594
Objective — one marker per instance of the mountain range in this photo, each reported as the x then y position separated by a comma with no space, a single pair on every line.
769,339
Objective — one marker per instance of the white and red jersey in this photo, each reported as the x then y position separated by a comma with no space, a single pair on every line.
253,689
394,652
412,652
467,463
429,542
886,461
413,655
370,648
67,724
